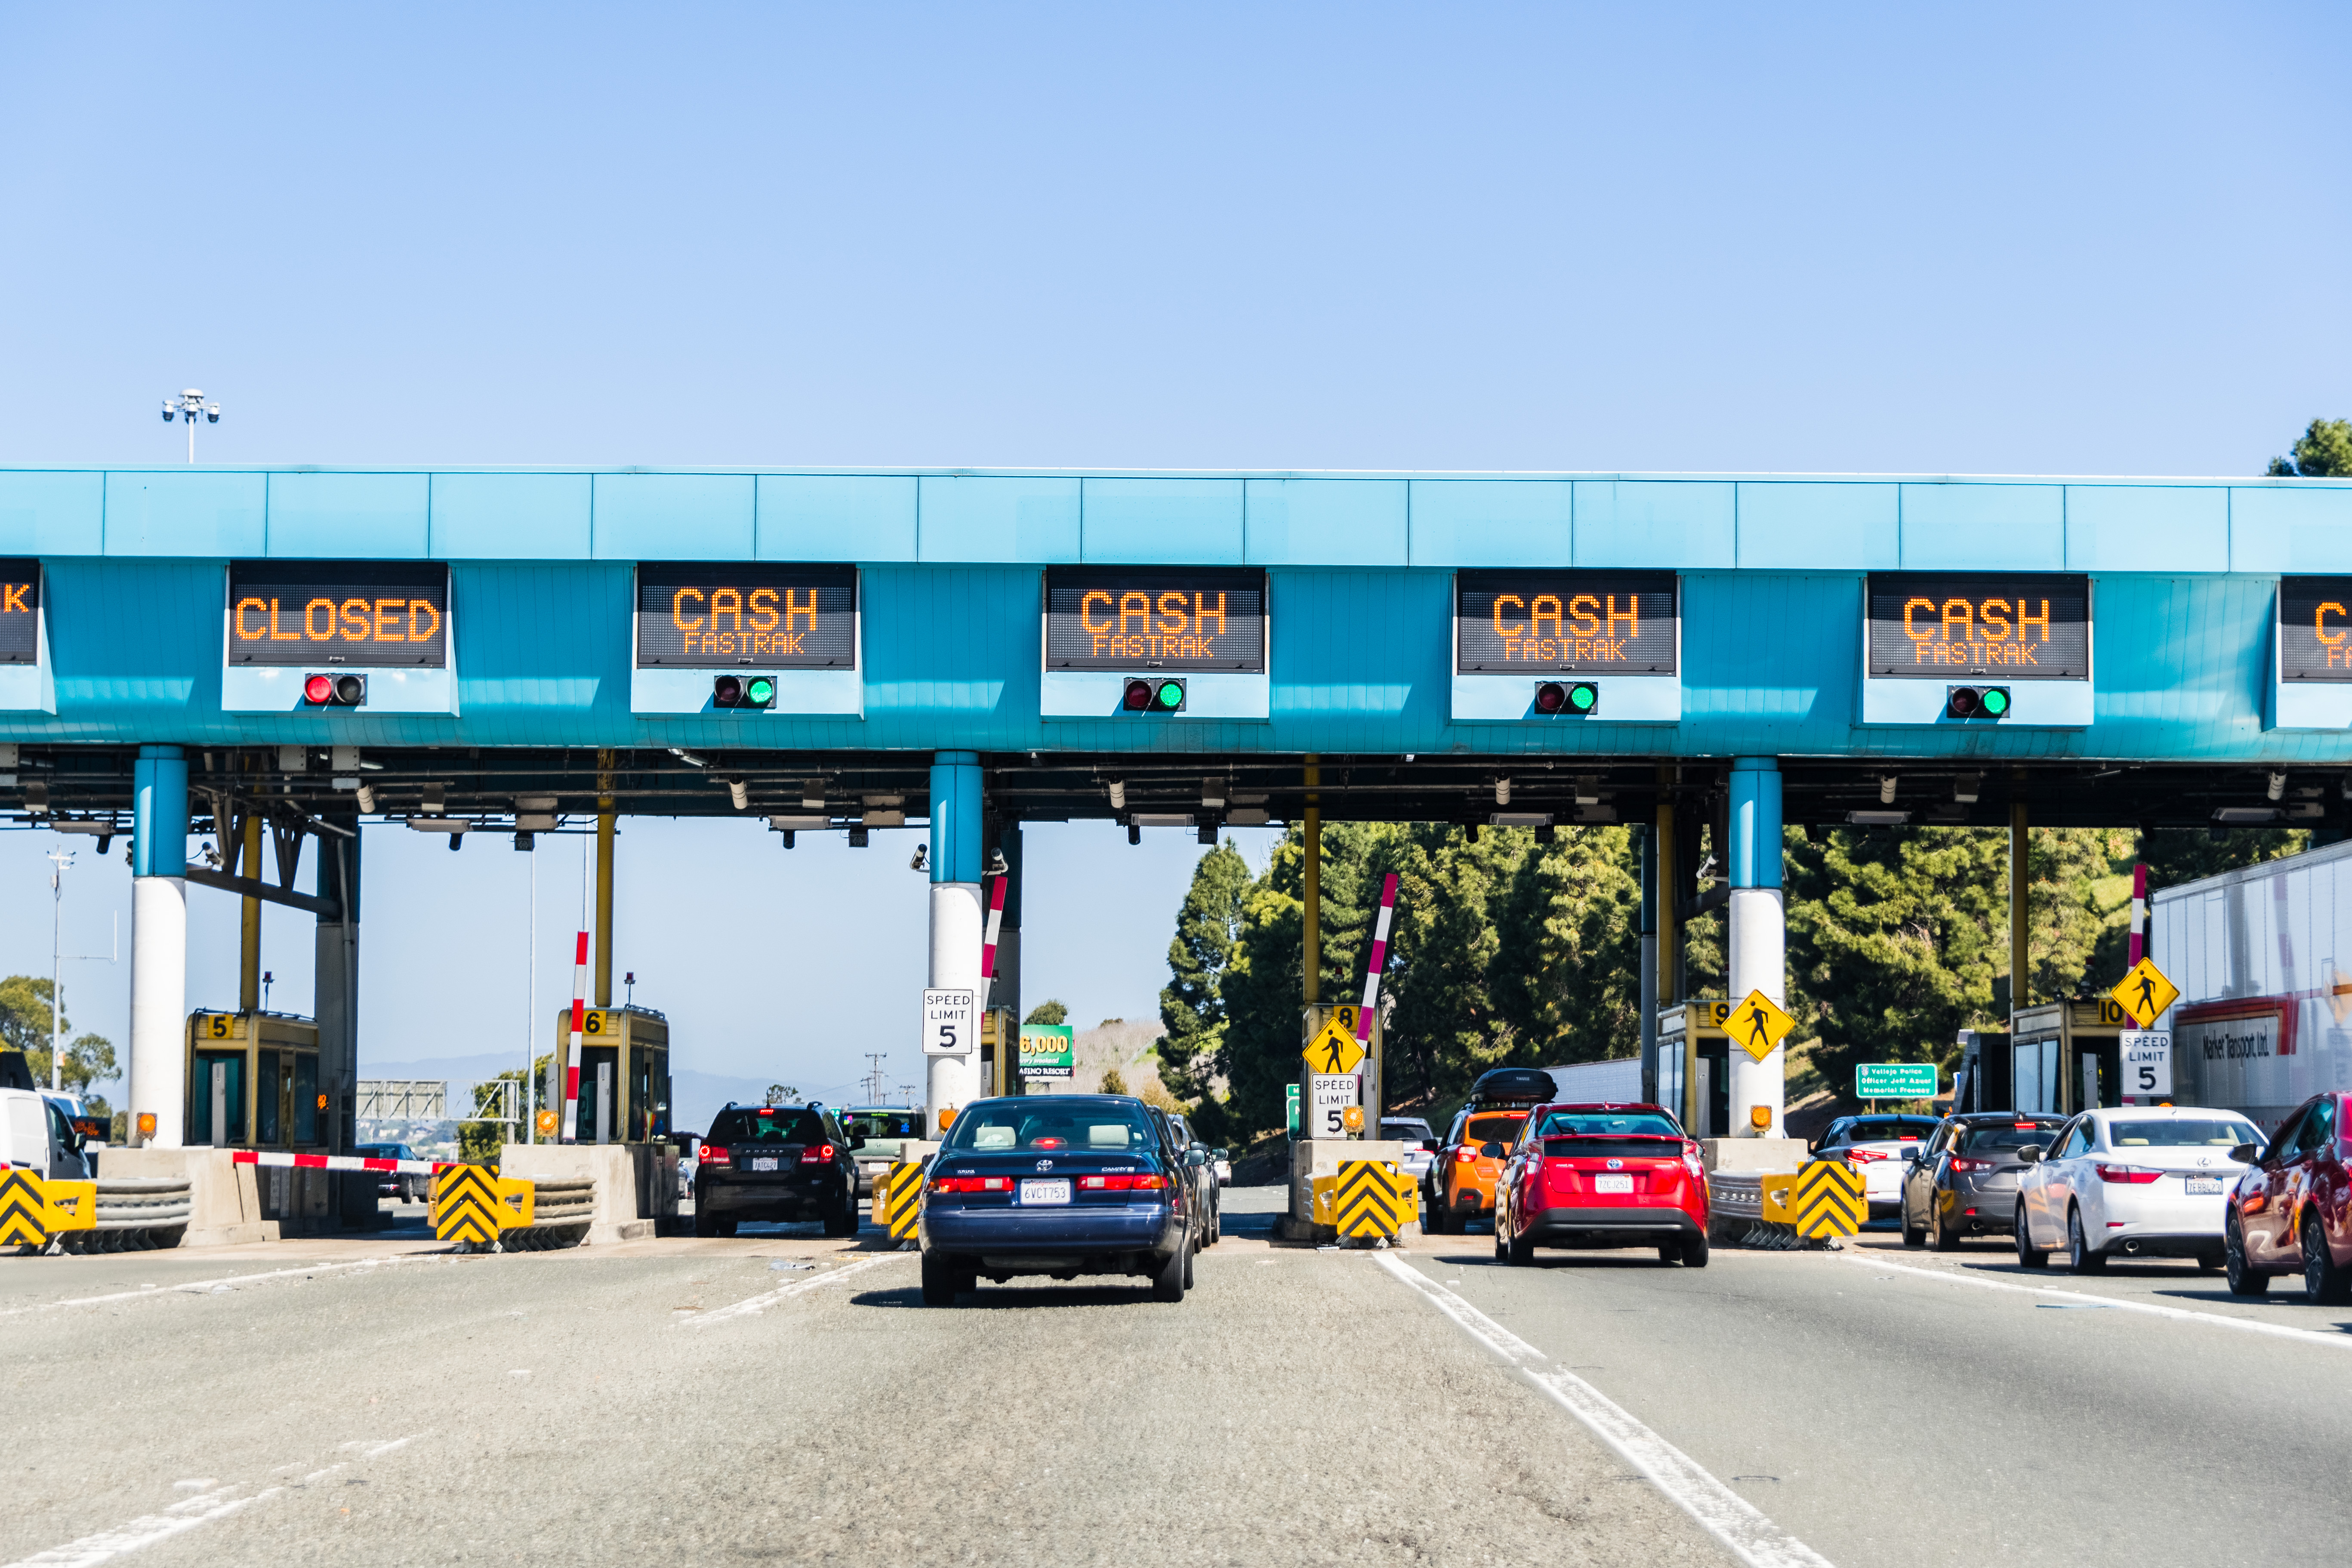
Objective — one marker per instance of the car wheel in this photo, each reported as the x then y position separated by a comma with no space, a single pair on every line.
1168,1285
2323,1283
2244,1279
1672,1252
2027,1254
1217,1225
938,1282
726,1226
2079,1254
1434,1216
1946,1238
705,1223
842,1221
1694,1250
1913,1236
1517,1251
1188,1269
2210,1262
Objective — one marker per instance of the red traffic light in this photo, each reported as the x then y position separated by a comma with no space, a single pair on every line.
727,691
1550,696
1137,699
335,691
319,691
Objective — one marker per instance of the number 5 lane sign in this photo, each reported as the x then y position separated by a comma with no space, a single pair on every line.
950,1026
2148,1062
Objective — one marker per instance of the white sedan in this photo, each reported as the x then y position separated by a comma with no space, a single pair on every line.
2133,1181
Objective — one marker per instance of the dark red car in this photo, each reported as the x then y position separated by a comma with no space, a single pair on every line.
2292,1207
1602,1175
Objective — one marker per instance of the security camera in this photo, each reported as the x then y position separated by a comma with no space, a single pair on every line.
170,413
212,415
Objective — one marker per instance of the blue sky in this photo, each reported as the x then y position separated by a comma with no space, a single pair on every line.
2090,239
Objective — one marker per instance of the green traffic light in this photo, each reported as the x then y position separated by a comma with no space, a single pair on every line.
1996,702
1171,695
1581,696
761,691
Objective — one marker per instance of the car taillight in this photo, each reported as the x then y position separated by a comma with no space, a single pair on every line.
712,1154
1141,1182
972,1183
1961,1165
1466,1156
820,1155
2134,1176
1862,1156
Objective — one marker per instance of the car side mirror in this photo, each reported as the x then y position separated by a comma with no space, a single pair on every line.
2246,1154
2031,1154
1196,1155
1490,1150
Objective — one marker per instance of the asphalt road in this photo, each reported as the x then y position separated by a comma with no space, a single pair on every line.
780,1398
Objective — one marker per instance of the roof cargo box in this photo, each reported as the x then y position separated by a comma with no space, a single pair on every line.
1530,1086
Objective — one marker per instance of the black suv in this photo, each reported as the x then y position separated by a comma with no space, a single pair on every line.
776,1162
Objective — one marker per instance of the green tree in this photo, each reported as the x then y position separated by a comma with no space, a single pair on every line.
1113,1082
781,1094
2324,451
1048,1012
1442,1023
479,1142
1569,950
1191,1006
2178,854
25,1026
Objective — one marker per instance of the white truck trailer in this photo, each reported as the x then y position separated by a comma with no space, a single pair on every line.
1600,1083
2264,958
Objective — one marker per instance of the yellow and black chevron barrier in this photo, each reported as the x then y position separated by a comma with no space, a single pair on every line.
34,1210
1828,1201
1369,1200
471,1204
898,1201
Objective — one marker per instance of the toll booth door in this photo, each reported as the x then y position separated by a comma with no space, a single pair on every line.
216,1099
1714,1087
591,1058
273,1094
648,1094
2101,1074
306,1099
1670,1078
2034,1083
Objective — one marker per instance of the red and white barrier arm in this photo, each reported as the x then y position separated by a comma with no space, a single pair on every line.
988,946
572,1055
1379,961
338,1162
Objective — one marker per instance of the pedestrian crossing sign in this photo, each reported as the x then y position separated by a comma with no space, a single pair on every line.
2144,993
1334,1048
1759,1024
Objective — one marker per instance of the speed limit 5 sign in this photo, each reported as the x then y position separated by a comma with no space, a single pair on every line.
2147,1060
951,1023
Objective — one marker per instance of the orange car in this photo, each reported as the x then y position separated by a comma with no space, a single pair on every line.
1459,1187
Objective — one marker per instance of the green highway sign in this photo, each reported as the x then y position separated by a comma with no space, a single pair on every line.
1895,1080
1290,1108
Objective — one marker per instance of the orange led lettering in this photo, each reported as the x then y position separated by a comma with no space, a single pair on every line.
257,633
726,602
275,634
12,598
430,632
1583,609
796,611
763,609
1085,606
1965,619
1171,617
1545,608
387,620
2319,622
1631,617
1202,613
2024,620
1517,628
311,628
1908,630
355,620
678,609
1995,612
1136,607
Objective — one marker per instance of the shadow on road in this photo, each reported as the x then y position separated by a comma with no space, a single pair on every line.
1015,1298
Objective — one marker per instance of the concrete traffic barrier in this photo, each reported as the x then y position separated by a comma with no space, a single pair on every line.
898,1200
562,1209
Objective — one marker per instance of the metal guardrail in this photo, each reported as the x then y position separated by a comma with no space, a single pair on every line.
402,1099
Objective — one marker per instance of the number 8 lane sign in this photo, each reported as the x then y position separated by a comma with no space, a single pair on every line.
949,1024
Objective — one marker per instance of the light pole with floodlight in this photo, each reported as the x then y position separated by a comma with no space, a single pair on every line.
189,406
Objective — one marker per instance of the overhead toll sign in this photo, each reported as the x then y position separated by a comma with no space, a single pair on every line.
1143,644
2311,654
747,639
373,615
1977,648
1559,645
26,682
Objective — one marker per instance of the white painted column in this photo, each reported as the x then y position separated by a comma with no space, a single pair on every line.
1758,960
958,923
158,1007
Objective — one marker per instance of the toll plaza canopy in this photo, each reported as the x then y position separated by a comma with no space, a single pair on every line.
799,643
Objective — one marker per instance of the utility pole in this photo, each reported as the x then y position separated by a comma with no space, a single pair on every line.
58,957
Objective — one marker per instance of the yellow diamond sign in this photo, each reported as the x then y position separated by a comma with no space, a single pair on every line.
1758,1024
1334,1048
2145,993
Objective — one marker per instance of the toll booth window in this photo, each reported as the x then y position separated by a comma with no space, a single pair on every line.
1590,1123
268,1091
1502,1130
2010,1135
2182,1133
791,1124
306,1099
201,1128
1106,1127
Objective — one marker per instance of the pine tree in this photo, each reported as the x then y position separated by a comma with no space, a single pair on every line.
1192,1004
1568,962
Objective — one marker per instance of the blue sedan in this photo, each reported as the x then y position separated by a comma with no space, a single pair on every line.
1060,1185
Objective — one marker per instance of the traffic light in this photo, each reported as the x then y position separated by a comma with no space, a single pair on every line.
335,691
1976,703
1165,695
738,692
1571,699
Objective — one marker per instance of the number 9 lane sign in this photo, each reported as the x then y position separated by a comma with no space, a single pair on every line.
950,1023
2148,1062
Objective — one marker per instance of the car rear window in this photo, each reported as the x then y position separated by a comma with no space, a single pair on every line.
1106,1129
1407,1130
1640,1148
2007,1135
769,1124
873,1124
1494,1129
2182,1133
1648,1122
1887,1131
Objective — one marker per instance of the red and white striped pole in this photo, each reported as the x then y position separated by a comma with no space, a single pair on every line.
1365,1079
2139,914
572,1051
988,942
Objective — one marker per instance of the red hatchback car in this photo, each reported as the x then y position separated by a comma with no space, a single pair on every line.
1602,1175
2291,1209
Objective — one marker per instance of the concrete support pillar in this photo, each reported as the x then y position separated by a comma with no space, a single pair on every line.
604,910
248,951
1758,960
335,968
959,918
1645,844
159,945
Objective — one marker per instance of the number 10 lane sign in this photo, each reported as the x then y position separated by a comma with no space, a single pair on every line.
950,1028
1894,1081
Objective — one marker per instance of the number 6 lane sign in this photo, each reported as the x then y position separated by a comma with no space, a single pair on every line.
949,1024
2148,1062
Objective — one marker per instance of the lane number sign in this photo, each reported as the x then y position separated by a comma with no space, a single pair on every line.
2148,1062
951,1023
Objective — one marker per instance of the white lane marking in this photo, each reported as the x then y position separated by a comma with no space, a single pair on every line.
763,1302
185,1515
197,1287
2085,1298
1720,1511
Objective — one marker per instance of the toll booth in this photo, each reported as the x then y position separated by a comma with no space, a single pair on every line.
1693,1048
2067,1056
624,1093
999,1053
253,1083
